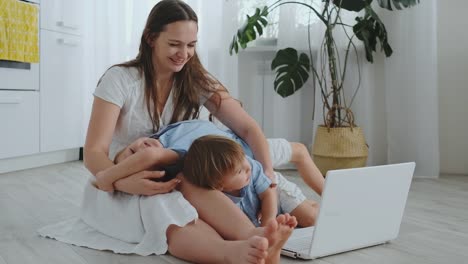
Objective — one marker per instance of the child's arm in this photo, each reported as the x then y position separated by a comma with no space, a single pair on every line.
269,207
140,161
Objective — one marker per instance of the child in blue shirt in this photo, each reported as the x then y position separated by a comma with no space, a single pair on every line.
217,162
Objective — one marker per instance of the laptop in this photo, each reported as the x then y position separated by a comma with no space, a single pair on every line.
360,207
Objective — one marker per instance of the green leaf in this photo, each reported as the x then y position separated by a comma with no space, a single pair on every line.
252,28
352,5
236,47
398,4
361,29
259,29
370,28
292,71
264,11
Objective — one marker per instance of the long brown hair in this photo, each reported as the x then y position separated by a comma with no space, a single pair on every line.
209,159
191,83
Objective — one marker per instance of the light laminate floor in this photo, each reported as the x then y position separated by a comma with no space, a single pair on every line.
434,228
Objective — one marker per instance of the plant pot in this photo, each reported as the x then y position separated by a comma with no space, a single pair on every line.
339,148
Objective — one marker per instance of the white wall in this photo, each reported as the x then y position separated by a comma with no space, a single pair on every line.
453,85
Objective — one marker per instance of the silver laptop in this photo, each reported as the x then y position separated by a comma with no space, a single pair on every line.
360,207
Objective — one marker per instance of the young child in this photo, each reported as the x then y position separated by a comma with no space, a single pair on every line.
219,163
147,154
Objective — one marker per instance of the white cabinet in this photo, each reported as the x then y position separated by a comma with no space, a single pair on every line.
19,121
42,109
62,107
20,79
61,75
62,16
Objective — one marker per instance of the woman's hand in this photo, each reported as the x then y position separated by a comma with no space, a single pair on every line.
141,183
245,127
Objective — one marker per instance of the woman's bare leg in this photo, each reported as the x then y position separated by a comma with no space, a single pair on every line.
219,212
197,242
306,167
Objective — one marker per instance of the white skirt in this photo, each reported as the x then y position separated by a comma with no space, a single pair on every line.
124,223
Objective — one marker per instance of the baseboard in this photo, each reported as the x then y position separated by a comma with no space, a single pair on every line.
81,154
38,160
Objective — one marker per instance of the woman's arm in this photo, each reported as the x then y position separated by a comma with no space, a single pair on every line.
231,114
142,160
101,127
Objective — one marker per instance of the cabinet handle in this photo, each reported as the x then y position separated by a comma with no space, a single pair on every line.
64,25
67,42
11,100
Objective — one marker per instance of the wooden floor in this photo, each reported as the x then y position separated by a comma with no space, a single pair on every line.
434,228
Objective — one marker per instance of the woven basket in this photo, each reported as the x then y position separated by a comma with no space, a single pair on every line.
339,148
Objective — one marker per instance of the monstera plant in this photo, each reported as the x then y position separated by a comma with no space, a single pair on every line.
294,68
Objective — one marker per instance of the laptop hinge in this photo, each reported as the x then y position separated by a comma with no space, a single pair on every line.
288,253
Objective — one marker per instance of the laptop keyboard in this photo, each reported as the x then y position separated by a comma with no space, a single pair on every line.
300,240
299,245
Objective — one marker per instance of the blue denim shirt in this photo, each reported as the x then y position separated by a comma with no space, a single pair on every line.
180,135
249,199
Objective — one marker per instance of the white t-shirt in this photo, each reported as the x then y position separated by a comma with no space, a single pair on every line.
125,87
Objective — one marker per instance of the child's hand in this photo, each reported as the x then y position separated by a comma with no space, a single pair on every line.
145,142
102,184
152,142
270,174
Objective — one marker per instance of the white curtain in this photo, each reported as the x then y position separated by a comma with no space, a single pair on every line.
411,86
112,33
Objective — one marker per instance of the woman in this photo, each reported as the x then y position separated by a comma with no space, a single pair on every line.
164,84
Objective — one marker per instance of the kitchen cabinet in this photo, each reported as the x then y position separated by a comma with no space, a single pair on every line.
20,123
61,75
61,93
41,108
64,16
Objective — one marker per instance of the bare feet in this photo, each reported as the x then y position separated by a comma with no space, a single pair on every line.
252,251
277,232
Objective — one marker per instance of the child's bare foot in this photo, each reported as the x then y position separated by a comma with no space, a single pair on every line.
290,220
252,251
277,232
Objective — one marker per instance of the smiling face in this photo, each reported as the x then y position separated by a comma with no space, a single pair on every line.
174,46
237,179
